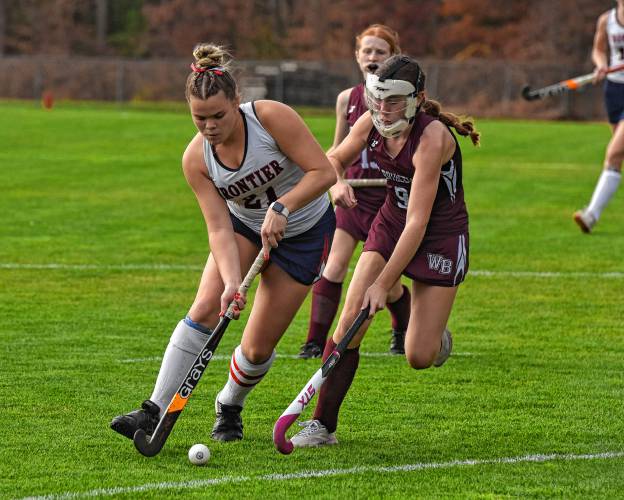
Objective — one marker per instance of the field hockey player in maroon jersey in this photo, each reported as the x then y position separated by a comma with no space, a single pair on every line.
355,208
421,231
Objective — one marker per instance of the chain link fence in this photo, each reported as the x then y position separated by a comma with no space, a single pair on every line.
477,87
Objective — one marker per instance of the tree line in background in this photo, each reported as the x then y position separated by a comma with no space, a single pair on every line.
517,30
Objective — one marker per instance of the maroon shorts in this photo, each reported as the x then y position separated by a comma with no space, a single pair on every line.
354,221
442,261
357,221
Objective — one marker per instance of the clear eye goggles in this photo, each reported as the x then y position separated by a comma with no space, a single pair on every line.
392,104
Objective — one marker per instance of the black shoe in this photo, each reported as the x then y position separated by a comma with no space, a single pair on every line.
397,343
146,418
228,425
310,350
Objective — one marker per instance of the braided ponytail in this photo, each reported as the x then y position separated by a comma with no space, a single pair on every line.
463,126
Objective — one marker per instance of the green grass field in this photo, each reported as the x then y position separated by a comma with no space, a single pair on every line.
101,249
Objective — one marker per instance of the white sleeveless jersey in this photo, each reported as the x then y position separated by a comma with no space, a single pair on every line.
264,175
615,33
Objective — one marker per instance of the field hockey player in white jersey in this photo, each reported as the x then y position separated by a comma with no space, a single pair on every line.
608,50
261,181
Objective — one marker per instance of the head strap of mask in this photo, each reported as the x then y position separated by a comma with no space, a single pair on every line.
378,89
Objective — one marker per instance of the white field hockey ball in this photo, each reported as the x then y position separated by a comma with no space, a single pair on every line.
199,454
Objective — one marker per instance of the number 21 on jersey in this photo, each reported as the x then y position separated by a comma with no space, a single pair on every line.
253,201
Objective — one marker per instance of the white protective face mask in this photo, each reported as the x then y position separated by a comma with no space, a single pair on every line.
394,96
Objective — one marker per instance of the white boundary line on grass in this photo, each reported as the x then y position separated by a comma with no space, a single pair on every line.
199,483
102,267
183,267
283,356
546,274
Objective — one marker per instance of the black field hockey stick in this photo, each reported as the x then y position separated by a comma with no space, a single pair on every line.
564,85
151,445
282,443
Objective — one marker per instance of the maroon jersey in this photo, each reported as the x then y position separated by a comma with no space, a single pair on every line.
369,199
448,214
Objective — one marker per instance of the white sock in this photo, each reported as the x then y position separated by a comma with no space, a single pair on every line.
244,376
185,344
605,189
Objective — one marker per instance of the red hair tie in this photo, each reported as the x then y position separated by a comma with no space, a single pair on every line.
216,71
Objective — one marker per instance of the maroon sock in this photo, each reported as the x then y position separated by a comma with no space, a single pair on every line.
400,310
325,302
335,388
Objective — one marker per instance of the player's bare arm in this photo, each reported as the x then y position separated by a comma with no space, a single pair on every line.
600,48
342,126
216,215
344,155
295,141
350,148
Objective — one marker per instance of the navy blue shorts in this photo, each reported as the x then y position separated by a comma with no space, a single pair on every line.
614,101
302,257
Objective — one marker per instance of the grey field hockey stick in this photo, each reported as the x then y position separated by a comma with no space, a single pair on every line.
312,387
564,85
359,183
151,445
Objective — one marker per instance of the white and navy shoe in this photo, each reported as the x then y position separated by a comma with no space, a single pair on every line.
585,220
314,433
445,349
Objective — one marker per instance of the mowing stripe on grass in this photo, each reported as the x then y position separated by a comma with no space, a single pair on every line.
527,165
199,483
184,267
283,356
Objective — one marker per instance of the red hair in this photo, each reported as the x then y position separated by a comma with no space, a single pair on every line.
380,31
